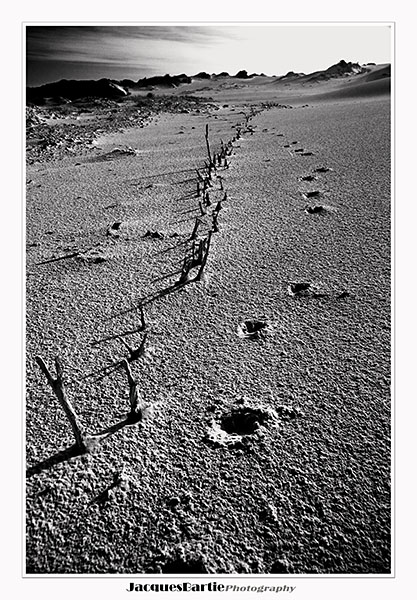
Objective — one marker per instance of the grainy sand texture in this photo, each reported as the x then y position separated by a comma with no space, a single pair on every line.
251,302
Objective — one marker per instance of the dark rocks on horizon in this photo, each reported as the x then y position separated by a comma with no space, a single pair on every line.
341,69
171,81
242,75
74,89
202,75
291,75
68,90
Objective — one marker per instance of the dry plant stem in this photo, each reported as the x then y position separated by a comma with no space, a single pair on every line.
208,169
142,318
198,253
134,398
204,260
57,386
208,146
203,212
196,226
135,353
186,266
215,223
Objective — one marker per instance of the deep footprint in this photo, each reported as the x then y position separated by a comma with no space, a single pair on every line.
240,426
298,288
252,328
243,421
304,290
156,235
314,210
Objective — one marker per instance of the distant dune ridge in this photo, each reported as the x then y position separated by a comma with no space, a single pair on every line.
105,88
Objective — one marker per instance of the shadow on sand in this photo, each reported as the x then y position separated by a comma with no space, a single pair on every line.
90,445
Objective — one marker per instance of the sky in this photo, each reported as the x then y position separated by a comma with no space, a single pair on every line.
132,52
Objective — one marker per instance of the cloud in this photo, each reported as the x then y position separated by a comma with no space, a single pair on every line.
99,43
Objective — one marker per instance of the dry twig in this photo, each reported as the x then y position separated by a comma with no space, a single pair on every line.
58,388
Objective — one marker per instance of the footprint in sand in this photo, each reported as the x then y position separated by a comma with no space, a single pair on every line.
322,170
299,150
314,210
252,328
309,178
155,235
240,426
313,194
308,290
114,229
307,154
303,289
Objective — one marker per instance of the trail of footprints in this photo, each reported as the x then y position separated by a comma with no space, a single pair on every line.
307,289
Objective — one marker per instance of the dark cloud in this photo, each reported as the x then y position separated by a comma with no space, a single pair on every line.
79,40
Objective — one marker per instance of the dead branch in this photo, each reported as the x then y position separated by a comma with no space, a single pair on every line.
135,353
135,401
185,273
215,223
196,226
208,146
57,386
204,259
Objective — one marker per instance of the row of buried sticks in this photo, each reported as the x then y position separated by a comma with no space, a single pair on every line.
195,256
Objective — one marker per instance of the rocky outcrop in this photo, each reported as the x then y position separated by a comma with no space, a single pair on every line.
74,89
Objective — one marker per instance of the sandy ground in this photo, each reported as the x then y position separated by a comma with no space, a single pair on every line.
193,489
